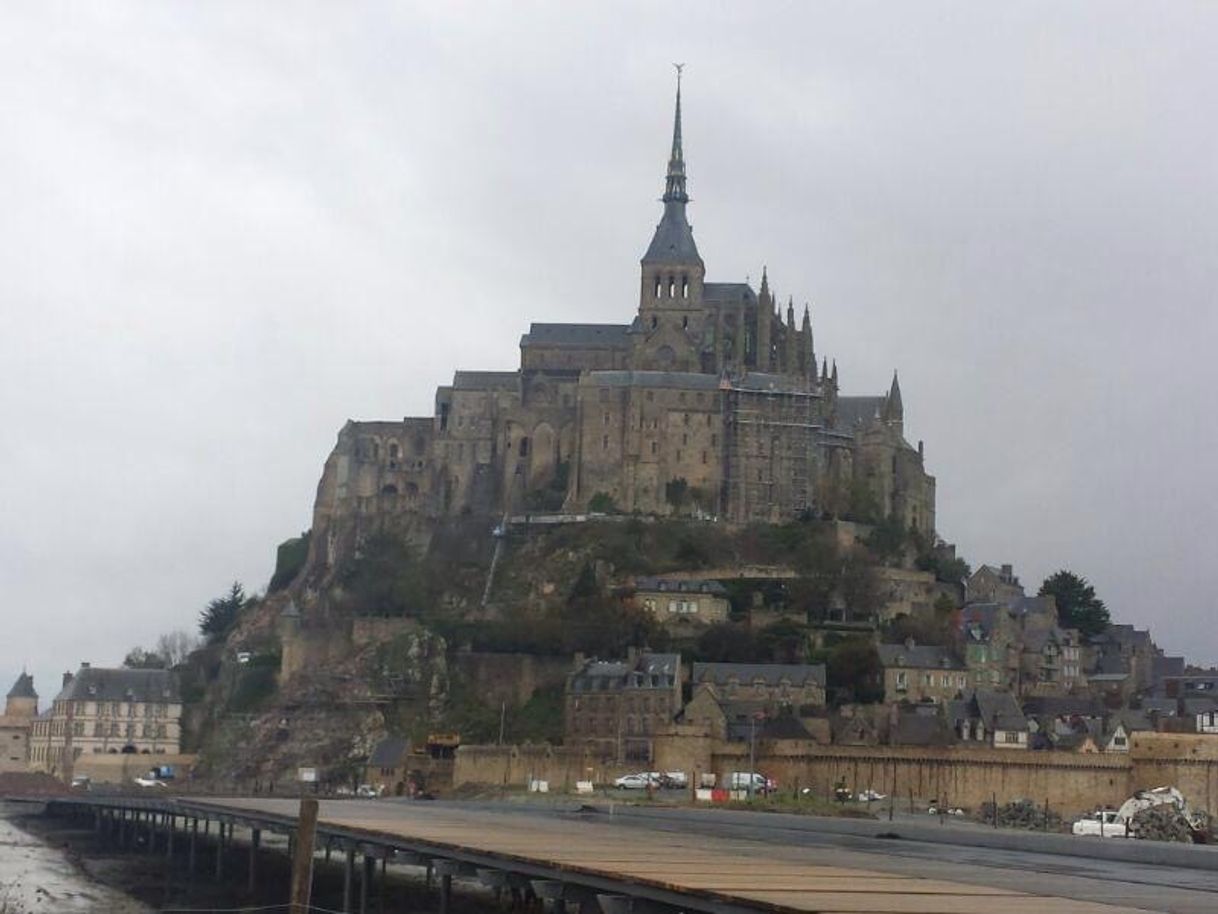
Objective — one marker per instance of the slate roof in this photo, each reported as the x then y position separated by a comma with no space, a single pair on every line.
1199,705
23,687
918,657
388,752
99,684
772,674
486,380
1061,706
1163,706
725,292
673,241
578,336
664,585
920,730
856,410
999,711
648,671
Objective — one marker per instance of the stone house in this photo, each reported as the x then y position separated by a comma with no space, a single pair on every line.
683,606
108,711
20,710
388,765
613,708
750,720
993,585
777,684
991,718
921,673
1050,661
992,642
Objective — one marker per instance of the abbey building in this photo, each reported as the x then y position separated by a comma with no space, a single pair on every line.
709,400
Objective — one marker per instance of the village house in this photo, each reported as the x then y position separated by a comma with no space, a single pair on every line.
388,765
993,585
108,711
990,718
1050,662
683,606
992,647
921,672
20,709
614,707
744,701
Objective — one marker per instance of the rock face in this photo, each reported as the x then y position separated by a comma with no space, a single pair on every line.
329,715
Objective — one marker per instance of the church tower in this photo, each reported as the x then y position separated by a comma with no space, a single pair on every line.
670,297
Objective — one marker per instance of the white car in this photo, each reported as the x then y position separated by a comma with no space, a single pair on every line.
1104,823
149,782
677,779
870,796
640,781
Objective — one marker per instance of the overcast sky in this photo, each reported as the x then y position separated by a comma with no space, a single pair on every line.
228,227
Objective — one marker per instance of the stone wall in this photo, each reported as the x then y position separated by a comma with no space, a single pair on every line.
516,765
104,768
511,678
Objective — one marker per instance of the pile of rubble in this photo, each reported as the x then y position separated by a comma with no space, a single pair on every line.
1023,814
1162,823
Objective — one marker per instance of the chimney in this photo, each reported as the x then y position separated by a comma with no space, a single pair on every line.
67,678
1008,572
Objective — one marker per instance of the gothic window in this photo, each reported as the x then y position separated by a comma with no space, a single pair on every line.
685,287
672,287
657,294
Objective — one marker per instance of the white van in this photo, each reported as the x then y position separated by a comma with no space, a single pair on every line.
746,780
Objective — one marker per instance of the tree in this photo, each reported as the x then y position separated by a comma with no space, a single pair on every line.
175,647
387,579
1077,605
853,671
139,659
218,618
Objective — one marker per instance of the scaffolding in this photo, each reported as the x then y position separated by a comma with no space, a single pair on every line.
770,454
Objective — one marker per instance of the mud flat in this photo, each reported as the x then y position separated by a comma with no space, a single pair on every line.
38,876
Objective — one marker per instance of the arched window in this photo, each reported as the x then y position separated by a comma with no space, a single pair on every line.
685,321
524,447
685,287
657,294
672,287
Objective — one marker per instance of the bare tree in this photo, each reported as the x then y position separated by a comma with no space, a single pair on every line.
175,647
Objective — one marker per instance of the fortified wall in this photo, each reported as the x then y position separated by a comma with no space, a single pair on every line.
1071,783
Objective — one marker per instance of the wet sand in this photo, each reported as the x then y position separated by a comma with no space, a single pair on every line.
37,877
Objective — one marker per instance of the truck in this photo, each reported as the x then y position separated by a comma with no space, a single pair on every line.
1161,813
1103,823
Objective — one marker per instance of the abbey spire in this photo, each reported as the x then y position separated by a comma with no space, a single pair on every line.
673,242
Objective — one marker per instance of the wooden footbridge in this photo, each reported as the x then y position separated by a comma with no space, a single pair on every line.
592,866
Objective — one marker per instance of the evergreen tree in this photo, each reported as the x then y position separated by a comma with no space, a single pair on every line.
1077,605
221,613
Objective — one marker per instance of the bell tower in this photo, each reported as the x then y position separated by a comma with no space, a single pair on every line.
670,297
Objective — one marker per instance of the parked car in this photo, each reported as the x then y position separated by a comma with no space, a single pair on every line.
871,796
149,782
751,780
1103,823
675,779
367,790
640,781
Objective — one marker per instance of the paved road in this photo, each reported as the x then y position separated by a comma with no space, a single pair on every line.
1155,888
761,860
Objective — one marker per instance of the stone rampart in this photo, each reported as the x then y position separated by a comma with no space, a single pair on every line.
511,678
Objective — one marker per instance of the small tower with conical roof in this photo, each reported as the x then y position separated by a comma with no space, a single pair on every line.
22,700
